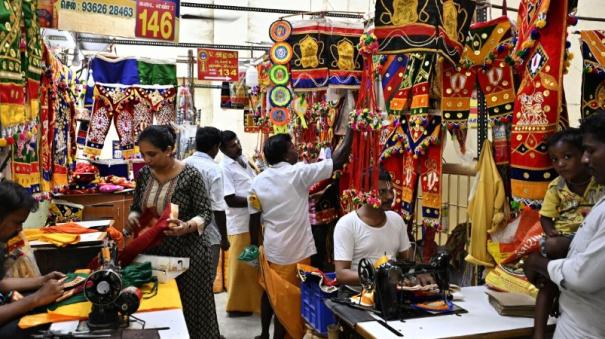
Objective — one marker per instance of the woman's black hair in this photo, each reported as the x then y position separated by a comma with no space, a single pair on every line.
276,148
15,197
227,136
595,124
571,135
160,136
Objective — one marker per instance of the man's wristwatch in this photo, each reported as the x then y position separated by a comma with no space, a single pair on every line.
543,246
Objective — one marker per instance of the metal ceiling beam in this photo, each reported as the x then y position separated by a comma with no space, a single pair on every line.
334,14
135,42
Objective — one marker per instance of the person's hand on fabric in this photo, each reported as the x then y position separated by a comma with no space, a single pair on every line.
225,244
177,228
53,275
48,293
133,222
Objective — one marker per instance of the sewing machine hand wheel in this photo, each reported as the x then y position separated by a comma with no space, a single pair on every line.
367,274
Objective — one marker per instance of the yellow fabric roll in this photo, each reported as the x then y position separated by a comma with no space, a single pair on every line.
57,239
244,291
167,298
485,208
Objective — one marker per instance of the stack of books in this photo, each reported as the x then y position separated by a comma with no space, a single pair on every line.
512,304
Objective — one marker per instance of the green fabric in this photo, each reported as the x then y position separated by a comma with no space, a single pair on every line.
157,74
10,35
74,299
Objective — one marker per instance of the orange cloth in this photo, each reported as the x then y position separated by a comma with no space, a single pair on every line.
117,236
283,287
244,292
70,227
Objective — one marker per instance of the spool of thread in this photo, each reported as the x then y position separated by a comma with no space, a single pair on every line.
129,300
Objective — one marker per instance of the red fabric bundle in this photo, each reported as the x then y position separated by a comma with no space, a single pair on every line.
151,235
152,232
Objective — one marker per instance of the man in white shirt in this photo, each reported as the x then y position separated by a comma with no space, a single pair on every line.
244,292
280,197
369,233
207,142
579,276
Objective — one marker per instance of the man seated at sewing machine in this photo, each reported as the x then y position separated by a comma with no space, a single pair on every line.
16,205
372,231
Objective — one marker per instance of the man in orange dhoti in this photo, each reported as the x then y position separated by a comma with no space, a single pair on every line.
280,196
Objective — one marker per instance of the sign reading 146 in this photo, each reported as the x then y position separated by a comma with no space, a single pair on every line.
157,19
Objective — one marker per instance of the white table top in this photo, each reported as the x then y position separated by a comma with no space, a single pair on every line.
168,318
481,320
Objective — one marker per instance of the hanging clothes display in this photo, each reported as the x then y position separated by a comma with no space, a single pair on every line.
392,68
593,75
438,26
414,91
483,62
18,94
413,150
540,56
324,54
131,93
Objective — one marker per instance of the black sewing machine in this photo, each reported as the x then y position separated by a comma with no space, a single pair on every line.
111,305
391,282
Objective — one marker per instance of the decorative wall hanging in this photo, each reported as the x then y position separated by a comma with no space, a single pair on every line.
482,62
413,93
281,53
423,26
280,96
280,30
593,75
20,65
392,68
325,54
279,116
344,61
540,55
279,75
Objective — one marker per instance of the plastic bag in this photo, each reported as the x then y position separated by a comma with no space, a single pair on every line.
250,255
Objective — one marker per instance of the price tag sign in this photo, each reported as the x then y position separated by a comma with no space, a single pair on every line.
157,19
219,65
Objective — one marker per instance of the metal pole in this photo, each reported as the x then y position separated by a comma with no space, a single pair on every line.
481,106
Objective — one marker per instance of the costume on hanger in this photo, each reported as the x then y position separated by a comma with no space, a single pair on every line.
539,54
593,75
482,61
406,26
410,152
130,92
112,103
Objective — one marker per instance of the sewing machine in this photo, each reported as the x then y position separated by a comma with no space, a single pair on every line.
111,305
396,287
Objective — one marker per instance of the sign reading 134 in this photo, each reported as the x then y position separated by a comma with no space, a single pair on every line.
157,19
